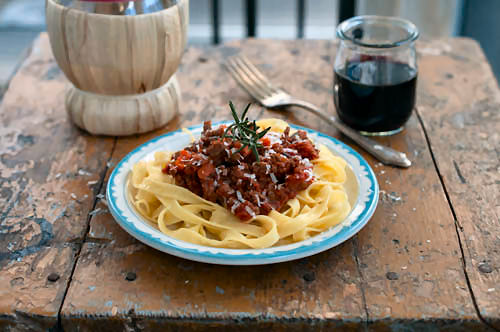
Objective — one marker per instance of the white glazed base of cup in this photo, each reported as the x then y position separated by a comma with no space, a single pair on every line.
123,115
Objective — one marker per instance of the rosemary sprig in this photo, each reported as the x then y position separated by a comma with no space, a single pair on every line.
245,131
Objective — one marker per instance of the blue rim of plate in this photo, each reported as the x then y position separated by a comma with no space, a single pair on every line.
126,216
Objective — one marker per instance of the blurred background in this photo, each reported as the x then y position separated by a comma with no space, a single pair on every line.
217,21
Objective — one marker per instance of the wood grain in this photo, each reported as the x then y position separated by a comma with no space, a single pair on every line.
121,66
409,255
403,271
145,52
29,301
124,115
188,295
47,168
459,107
395,258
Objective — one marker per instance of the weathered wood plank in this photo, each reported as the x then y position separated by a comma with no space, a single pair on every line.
459,106
409,253
171,293
29,301
45,195
419,296
389,276
168,290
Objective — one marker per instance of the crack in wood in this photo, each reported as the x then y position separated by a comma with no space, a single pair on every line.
59,327
176,320
458,227
459,173
362,282
133,321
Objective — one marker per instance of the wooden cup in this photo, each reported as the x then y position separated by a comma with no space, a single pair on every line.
122,67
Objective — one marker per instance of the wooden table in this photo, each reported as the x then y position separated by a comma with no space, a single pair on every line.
428,260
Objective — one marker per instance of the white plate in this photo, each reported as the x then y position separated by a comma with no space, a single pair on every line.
361,186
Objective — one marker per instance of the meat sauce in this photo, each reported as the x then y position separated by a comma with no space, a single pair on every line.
213,168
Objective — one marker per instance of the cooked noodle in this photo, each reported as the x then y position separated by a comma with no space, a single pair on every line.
186,216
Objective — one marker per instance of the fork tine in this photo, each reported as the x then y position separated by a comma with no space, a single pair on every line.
258,83
236,73
258,74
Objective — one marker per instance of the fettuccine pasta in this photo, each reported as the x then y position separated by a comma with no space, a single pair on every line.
183,215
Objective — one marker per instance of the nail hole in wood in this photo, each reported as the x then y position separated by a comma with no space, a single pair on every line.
392,276
131,276
309,277
53,277
485,267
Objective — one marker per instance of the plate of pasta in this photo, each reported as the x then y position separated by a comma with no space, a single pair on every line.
243,192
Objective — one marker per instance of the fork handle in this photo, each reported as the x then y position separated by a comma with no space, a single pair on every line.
383,153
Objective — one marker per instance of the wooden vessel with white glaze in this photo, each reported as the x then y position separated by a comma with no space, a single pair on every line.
122,66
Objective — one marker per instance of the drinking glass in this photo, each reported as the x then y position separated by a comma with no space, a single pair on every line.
375,73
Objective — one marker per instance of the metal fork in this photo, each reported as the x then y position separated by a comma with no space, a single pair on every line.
259,87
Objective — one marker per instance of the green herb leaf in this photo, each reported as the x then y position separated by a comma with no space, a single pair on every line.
233,110
245,131
263,133
245,112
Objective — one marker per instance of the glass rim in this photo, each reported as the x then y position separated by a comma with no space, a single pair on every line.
412,30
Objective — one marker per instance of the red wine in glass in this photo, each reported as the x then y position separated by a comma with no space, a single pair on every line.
375,94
